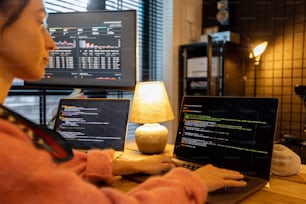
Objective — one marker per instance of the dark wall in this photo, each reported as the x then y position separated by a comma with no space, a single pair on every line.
283,64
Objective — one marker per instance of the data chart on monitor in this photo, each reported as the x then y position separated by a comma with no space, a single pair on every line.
94,49
87,52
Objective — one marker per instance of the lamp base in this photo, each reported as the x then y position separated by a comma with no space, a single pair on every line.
151,138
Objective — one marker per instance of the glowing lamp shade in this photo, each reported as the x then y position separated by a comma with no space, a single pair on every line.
258,50
150,107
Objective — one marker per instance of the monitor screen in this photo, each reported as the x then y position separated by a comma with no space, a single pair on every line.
94,49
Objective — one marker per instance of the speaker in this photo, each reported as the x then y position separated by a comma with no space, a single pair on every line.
223,16
218,13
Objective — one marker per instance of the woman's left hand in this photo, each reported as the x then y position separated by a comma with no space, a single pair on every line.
154,164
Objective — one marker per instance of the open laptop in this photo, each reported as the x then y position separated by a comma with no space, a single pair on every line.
230,132
93,123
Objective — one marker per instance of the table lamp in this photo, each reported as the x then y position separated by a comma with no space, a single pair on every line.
150,107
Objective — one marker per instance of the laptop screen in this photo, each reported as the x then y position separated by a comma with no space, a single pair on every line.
235,133
93,123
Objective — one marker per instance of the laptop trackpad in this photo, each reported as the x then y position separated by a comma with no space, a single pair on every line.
235,194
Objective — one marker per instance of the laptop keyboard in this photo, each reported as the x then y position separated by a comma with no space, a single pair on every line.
190,166
141,177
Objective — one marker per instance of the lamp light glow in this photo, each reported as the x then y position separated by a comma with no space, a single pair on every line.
257,51
260,48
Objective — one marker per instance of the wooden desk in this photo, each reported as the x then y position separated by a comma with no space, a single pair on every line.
287,190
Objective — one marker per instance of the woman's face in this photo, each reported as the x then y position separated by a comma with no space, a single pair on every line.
25,45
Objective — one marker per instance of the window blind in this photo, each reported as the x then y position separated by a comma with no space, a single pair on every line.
150,35
65,5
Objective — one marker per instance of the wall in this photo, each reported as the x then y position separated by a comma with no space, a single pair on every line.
187,26
282,23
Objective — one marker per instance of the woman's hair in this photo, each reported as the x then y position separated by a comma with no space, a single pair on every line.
12,9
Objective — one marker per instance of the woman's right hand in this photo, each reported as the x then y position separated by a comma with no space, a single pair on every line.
216,178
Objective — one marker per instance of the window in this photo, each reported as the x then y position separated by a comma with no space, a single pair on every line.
150,35
66,5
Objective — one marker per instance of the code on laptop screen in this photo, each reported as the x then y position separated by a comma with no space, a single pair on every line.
235,133
93,123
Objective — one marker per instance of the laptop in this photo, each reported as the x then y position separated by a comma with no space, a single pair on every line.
229,132
93,123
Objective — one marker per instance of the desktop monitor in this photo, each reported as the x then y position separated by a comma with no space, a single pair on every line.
95,49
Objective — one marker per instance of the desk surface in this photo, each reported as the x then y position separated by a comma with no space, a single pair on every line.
291,189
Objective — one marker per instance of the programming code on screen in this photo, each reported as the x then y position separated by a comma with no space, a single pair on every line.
231,133
93,124
203,130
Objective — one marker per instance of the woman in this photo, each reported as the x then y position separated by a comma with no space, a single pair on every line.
29,174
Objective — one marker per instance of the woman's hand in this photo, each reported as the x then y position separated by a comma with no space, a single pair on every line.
154,164
216,178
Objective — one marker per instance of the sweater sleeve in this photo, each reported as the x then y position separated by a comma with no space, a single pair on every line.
179,183
29,175
94,165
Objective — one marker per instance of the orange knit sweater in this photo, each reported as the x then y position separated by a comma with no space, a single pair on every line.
29,175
